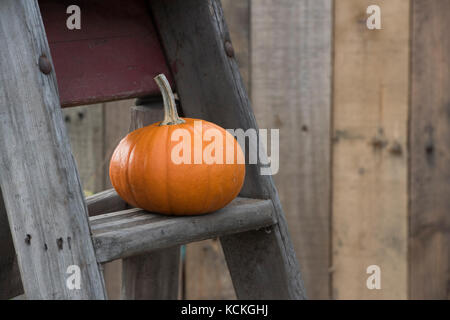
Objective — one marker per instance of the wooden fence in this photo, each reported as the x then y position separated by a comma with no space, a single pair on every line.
364,119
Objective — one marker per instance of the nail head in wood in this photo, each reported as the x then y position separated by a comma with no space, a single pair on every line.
229,48
44,64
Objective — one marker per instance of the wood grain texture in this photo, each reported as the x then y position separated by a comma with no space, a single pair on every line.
291,85
38,175
135,231
114,55
206,272
105,202
429,237
237,15
10,282
116,124
153,275
210,87
370,211
85,129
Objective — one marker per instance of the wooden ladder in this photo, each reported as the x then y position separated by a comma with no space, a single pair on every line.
48,216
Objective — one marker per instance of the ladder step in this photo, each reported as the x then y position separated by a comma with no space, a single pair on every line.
105,202
131,232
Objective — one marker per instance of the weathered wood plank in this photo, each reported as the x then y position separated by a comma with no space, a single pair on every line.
116,124
136,231
38,176
237,15
370,118
197,46
105,202
85,129
291,84
429,238
10,282
152,275
114,55
206,272
245,264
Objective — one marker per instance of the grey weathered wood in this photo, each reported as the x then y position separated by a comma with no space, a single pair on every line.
105,202
194,35
291,72
238,16
116,123
429,228
153,275
85,129
135,231
206,272
10,282
247,262
38,176
370,118
144,115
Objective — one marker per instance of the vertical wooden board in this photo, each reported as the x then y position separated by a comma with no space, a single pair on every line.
153,276
206,273
429,257
112,272
369,217
116,124
85,129
291,91
38,175
116,118
237,14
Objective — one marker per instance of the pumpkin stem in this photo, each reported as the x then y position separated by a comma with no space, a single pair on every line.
170,108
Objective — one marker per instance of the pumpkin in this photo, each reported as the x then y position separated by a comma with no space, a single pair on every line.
145,175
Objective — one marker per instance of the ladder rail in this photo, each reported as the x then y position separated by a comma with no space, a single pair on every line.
38,176
42,193
199,51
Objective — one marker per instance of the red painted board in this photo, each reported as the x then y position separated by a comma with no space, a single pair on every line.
114,55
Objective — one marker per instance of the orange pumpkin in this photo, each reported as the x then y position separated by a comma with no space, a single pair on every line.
145,175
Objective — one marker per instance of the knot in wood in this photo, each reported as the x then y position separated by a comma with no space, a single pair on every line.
396,149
